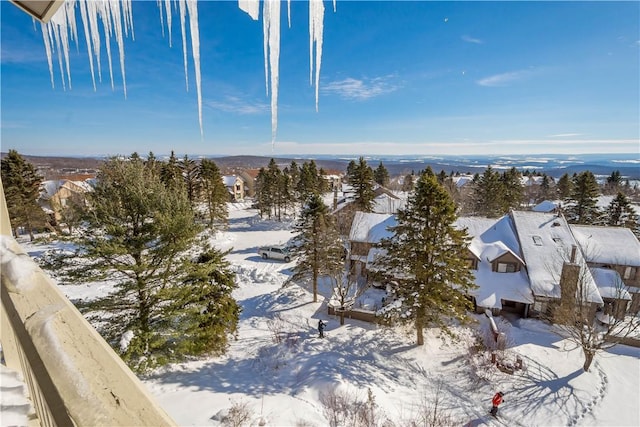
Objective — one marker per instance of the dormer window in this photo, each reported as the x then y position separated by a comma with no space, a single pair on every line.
507,267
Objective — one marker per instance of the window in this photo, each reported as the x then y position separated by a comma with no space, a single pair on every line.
506,267
471,263
537,240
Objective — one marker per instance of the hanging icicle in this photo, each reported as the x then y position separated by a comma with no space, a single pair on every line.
117,19
316,19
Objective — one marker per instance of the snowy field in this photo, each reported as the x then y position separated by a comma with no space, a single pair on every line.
279,382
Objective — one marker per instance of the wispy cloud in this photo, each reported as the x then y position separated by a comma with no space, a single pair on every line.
234,104
565,135
504,79
361,90
470,39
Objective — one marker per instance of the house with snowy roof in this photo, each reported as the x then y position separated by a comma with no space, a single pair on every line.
367,231
235,187
56,195
616,250
550,250
499,270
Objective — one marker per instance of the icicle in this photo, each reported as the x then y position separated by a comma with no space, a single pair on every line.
334,6
316,18
167,6
289,12
92,13
159,4
271,26
195,51
87,35
251,7
183,11
47,48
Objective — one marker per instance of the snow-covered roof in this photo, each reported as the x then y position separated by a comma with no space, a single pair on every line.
491,239
230,180
610,284
371,227
49,188
461,180
608,245
546,242
385,204
546,206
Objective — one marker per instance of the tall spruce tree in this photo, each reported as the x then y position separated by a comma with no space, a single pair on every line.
564,186
21,185
360,177
214,192
381,175
317,244
581,205
488,194
138,234
426,259
191,175
512,190
621,213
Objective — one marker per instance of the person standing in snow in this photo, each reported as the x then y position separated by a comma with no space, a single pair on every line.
321,326
496,401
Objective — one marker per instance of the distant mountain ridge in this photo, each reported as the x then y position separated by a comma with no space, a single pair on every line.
553,165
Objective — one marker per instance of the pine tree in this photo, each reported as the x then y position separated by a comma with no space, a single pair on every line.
381,175
546,191
426,259
190,173
171,173
317,243
614,182
564,186
512,190
214,192
21,185
407,182
488,194
138,233
621,213
360,177
581,205
308,183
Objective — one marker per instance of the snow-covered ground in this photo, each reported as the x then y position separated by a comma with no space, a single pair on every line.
279,381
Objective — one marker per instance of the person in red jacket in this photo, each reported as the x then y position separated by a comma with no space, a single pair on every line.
496,401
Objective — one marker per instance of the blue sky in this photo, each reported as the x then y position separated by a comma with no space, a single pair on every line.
411,77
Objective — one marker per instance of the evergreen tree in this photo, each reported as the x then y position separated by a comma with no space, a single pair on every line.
309,181
581,205
360,177
190,173
171,173
621,213
564,186
21,185
614,183
488,194
264,194
381,175
317,243
214,192
512,190
407,183
547,192
137,233
426,259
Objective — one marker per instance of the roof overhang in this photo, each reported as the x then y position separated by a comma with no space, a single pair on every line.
42,10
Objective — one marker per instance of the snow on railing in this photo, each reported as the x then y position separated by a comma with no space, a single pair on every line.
74,377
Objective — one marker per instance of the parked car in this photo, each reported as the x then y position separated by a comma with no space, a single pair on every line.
275,252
